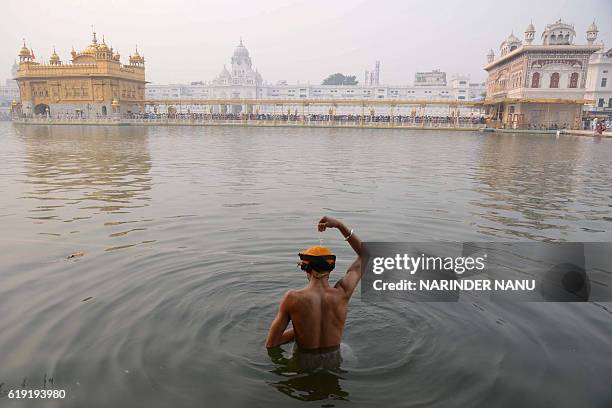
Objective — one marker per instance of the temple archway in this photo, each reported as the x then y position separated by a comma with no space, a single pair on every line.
42,109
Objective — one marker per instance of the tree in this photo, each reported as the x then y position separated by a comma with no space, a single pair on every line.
340,79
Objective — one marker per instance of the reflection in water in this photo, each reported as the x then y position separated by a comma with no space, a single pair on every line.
74,174
528,186
104,169
302,381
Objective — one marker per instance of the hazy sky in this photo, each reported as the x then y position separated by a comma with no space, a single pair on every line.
304,41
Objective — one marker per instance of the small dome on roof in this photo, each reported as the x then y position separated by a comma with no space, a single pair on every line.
509,44
593,27
54,57
512,39
135,58
530,28
558,33
24,51
103,48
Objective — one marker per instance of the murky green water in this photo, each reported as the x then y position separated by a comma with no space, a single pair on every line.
189,238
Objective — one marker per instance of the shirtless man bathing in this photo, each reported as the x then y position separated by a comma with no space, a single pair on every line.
318,311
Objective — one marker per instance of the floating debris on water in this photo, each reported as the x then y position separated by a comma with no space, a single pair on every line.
75,255
87,298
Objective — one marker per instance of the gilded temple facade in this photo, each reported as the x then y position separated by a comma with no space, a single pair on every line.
94,83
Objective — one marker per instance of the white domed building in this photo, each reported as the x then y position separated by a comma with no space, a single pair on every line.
539,85
238,84
243,82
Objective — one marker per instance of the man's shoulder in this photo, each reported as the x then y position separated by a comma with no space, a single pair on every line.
293,295
290,294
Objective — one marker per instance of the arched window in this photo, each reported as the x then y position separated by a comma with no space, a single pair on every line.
554,80
574,80
535,80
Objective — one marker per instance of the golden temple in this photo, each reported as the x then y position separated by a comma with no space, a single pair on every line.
94,83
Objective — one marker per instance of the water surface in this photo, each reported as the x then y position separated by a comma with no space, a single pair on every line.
185,238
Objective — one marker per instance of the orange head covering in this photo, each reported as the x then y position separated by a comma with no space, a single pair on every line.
318,260
318,251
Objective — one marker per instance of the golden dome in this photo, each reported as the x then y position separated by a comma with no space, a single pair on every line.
91,49
24,52
54,57
135,57
103,47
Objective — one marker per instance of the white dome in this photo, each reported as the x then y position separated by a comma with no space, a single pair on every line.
241,50
530,28
593,27
509,44
512,39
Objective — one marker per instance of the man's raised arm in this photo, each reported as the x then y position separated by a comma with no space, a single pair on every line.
353,274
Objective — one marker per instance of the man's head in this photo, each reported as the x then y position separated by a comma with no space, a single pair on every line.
317,261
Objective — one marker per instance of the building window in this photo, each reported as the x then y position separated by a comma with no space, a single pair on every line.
600,103
574,80
535,80
604,82
610,103
554,80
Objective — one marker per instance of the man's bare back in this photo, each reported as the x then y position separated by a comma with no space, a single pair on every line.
318,311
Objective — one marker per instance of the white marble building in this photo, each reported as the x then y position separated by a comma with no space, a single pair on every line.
245,82
543,84
599,84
